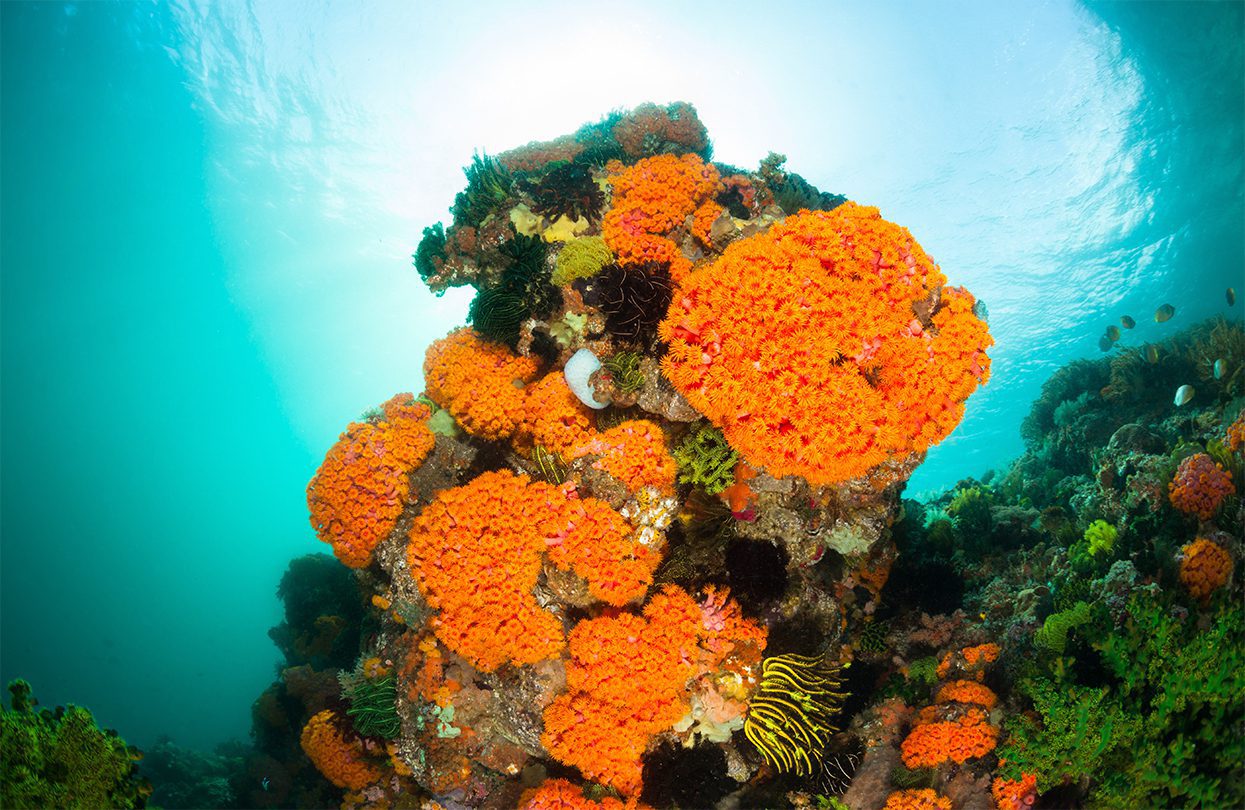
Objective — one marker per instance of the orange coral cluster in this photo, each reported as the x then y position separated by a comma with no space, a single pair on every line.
340,760
1200,485
916,799
559,794
813,348
703,219
627,679
538,154
635,453
476,552
1235,438
650,200
553,417
969,661
967,692
478,382
650,124
358,493
955,739
1015,794
1204,567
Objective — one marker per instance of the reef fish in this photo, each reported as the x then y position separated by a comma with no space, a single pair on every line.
1104,343
1220,367
980,310
1183,394
1164,313
1127,321
1152,353
1113,333
1230,294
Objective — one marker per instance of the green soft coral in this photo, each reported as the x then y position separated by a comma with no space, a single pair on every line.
706,460
61,758
581,258
1101,537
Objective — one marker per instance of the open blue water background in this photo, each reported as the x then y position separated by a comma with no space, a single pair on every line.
208,208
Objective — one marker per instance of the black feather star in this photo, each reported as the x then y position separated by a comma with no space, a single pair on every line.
633,299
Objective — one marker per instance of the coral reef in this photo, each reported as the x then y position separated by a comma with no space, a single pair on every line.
1200,486
61,758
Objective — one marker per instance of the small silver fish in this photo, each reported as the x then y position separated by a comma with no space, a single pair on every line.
1220,368
1230,294
264,784
1183,394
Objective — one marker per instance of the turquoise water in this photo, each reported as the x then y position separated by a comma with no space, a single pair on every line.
208,211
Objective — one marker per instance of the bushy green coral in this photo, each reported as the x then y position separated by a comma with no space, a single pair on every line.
1053,634
1080,731
431,247
625,369
62,759
581,258
1101,537
970,508
488,185
706,460
373,704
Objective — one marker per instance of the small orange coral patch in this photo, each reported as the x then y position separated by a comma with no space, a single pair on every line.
967,737
553,417
1015,794
627,679
918,799
341,761
358,493
479,383
813,347
476,552
559,794
1204,567
635,453
1236,433
1200,485
967,692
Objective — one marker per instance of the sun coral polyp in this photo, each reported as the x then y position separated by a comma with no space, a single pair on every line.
358,493
476,552
341,761
1200,485
479,383
651,199
826,345
1235,438
627,679
553,417
1205,566
957,739
916,799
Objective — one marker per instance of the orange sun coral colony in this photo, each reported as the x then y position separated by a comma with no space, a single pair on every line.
627,679
826,345
476,552
956,739
1235,438
479,383
651,199
635,453
559,794
553,418
341,761
967,692
1205,566
1200,485
359,491
916,799
970,661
